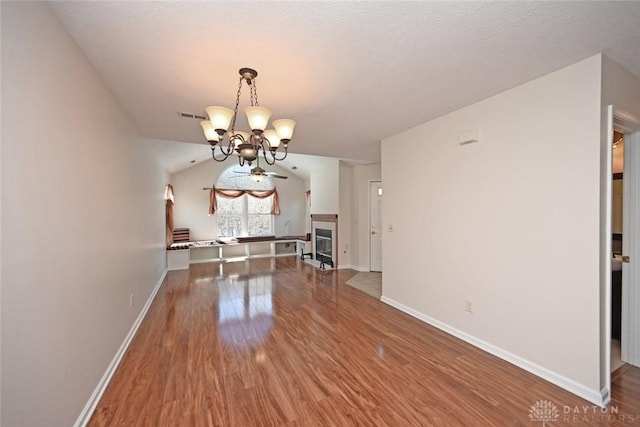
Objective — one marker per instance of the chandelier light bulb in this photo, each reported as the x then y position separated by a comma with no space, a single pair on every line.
258,118
220,118
210,132
272,137
284,128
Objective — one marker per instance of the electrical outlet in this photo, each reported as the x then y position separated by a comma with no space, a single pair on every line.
131,300
468,307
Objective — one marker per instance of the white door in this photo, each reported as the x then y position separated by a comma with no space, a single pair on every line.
631,251
375,221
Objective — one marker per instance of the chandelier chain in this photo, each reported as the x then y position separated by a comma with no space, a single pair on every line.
254,95
235,109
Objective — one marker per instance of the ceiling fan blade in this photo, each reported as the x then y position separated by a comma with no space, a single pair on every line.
271,174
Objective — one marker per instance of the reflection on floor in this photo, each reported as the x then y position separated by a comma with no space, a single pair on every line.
616,358
367,282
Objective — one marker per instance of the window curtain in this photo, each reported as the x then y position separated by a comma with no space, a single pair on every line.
169,213
232,194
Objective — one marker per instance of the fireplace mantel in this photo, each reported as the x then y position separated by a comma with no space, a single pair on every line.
324,217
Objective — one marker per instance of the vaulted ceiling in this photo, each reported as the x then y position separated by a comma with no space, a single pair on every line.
350,73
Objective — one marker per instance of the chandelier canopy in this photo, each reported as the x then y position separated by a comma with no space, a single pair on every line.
248,146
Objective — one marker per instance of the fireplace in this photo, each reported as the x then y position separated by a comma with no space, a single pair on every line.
324,247
324,238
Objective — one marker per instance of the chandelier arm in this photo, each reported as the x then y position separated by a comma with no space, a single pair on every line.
268,153
272,151
283,157
213,154
229,149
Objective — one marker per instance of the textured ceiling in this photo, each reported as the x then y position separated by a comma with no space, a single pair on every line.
350,73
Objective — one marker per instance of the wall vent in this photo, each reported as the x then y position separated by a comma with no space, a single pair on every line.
191,116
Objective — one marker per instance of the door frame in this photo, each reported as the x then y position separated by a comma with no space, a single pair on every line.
617,119
630,315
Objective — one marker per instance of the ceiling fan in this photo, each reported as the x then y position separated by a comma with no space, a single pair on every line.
259,174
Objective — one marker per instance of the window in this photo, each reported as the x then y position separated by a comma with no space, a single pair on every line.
245,215
230,216
259,218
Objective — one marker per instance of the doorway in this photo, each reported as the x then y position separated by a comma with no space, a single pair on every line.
621,250
375,226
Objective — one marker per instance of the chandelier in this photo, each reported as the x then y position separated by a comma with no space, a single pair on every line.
248,146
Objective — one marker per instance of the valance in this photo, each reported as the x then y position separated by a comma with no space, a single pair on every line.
232,194
169,214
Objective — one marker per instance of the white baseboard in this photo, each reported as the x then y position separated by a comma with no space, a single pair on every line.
88,409
596,397
340,266
605,396
353,267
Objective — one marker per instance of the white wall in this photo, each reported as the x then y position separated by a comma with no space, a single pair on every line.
191,208
620,87
292,204
82,222
344,215
325,186
510,223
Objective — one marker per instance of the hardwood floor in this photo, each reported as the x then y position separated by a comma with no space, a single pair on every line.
273,342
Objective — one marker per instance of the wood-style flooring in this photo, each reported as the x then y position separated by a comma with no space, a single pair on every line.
276,342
